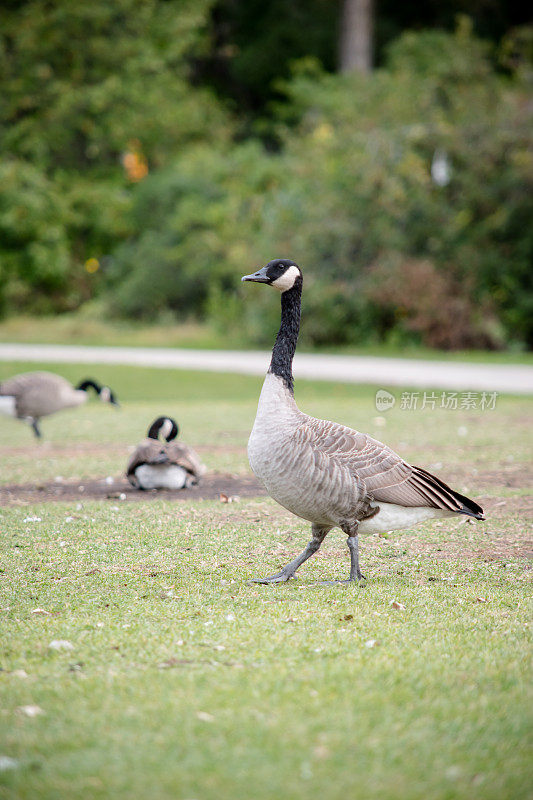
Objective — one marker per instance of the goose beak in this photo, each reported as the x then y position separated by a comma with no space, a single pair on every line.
257,277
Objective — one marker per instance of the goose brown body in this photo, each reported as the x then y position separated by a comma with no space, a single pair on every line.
32,395
328,473
38,394
164,465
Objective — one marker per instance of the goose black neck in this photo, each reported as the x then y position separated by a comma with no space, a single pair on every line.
89,384
285,346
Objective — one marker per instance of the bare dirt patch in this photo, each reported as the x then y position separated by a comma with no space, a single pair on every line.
212,486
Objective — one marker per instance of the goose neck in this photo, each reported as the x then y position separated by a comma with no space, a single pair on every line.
88,384
285,346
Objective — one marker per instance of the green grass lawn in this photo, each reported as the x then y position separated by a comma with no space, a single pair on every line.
184,682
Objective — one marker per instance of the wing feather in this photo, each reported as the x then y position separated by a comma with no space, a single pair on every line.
383,475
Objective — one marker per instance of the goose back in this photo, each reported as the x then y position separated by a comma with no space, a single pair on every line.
38,394
169,465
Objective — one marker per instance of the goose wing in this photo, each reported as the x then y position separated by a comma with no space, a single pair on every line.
149,451
19,384
385,476
184,456
35,393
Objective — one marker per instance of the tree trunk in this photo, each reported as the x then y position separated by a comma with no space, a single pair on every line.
355,45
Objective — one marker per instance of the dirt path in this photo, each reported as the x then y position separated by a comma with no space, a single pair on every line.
512,378
212,487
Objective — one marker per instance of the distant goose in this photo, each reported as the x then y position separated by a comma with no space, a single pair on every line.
33,395
173,465
327,473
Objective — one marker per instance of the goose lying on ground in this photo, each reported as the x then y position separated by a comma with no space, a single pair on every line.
173,465
327,473
33,395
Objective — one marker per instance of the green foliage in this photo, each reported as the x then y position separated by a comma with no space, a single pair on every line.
351,197
118,173
81,79
34,243
84,84
189,219
253,45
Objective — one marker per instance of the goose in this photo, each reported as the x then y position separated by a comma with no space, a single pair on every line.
32,395
325,472
173,465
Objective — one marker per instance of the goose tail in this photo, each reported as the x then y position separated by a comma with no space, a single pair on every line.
452,499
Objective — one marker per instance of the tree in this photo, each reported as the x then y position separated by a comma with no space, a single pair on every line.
94,95
355,40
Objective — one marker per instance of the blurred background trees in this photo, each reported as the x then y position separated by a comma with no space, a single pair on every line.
153,150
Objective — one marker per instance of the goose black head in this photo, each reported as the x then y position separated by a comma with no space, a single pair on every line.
282,273
166,426
104,392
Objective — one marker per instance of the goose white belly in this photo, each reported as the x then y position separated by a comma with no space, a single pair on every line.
392,517
8,405
161,476
70,398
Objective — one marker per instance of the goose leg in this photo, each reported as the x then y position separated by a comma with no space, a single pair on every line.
288,572
36,429
353,545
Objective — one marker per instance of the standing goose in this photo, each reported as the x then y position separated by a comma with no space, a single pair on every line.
327,473
173,465
33,395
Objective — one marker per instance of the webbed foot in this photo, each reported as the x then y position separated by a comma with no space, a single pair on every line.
281,577
360,577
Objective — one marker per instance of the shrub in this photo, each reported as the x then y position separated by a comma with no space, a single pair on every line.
355,197
87,87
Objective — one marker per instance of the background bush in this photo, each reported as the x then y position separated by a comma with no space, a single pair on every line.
122,175
388,253
93,93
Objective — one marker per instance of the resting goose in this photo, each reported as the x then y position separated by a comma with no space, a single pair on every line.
328,473
33,395
173,465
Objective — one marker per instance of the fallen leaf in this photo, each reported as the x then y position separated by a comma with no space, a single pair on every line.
347,617
204,716
224,498
397,606
321,751
6,762
60,644
481,599
178,662
30,711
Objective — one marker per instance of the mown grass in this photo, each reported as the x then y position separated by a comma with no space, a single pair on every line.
186,682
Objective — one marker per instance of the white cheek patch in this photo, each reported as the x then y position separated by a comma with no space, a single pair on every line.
166,429
105,394
287,280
